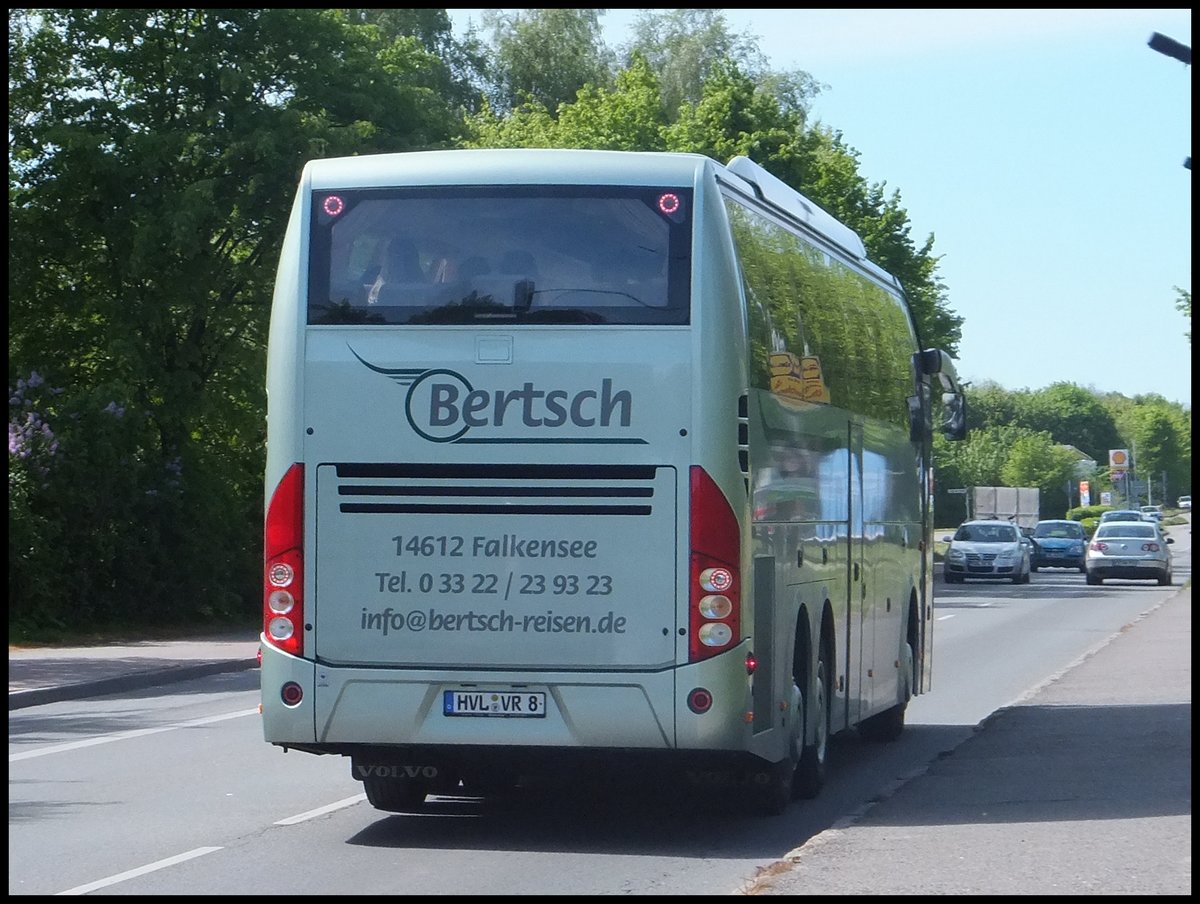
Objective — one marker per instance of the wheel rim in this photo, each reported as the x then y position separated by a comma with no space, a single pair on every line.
822,734
796,731
906,691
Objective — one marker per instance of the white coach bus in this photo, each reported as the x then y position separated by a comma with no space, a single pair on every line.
589,457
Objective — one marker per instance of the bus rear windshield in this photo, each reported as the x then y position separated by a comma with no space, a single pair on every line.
500,255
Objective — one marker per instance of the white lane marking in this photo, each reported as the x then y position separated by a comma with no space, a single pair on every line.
126,735
944,617
140,871
321,811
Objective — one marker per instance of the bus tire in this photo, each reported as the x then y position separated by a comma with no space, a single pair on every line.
395,795
813,766
777,794
778,782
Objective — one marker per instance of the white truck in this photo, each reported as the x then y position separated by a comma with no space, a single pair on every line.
1020,505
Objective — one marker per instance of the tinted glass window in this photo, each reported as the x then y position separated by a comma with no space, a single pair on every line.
987,533
1072,530
818,330
1126,529
505,255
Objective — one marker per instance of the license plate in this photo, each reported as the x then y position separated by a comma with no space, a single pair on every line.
501,704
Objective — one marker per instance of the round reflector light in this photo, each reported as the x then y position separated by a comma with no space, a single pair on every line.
291,693
699,700
279,628
715,606
715,634
280,601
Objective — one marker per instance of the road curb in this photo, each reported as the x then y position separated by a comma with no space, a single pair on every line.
19,699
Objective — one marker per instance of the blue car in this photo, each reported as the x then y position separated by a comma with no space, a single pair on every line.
1059,544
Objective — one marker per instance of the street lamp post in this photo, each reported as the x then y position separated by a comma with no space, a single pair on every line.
1172,48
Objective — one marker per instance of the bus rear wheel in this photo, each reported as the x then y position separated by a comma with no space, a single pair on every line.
395,795
776,785
813,766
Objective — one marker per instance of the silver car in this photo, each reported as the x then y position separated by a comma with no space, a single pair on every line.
1136,550
986,549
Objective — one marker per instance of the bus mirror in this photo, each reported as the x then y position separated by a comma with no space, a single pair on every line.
931,361
954,415
919,421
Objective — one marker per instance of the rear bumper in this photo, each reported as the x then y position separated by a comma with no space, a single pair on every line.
1063,561
980,571
1152,572
346,709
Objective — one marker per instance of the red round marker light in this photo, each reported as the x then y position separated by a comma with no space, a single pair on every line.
668,203
333,205
716,580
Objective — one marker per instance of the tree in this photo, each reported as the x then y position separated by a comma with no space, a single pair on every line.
683,45
545,56
980,459
991,405
462,75
1183,304
1161,441
1073,415
154,154
1036,460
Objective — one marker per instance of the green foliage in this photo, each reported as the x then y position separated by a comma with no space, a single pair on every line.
1035,460
684,45
97,532
1088,516
545,56
154,154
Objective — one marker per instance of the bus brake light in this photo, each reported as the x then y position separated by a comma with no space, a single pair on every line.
714,619
283,564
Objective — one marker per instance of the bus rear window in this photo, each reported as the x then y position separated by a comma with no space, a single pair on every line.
505,255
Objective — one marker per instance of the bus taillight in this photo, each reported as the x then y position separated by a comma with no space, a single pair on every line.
283,564
714,611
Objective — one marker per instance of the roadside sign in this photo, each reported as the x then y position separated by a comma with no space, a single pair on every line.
1118,458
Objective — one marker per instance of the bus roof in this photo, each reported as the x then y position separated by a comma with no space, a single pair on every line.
528,166
778,193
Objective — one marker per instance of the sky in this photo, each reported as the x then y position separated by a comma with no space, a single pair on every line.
1042,149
